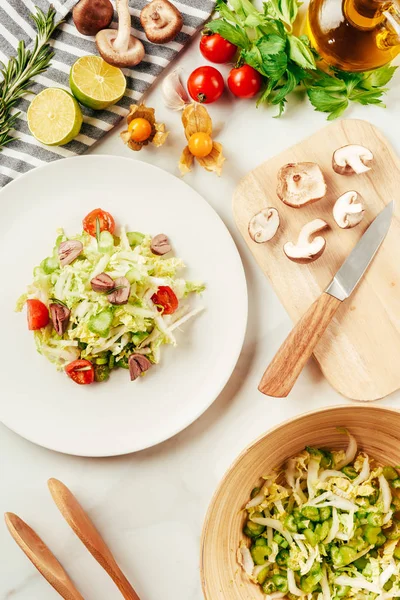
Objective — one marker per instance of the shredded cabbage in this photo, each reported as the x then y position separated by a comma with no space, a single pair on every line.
326,526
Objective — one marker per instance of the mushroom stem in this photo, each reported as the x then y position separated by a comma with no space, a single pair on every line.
121,42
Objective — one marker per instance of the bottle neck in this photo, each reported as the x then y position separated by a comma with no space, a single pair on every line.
365,14
380,15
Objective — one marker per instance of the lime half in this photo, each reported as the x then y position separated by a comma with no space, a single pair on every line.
54,117
95,83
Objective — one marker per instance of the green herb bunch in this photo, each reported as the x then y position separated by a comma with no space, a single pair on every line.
267,43
17,75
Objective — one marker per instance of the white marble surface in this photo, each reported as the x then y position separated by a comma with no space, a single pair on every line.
150,506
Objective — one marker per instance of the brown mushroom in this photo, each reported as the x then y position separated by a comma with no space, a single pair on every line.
348,210
264,225
121,292
351,160
300,183
161,21
138,364
68,251
102,283
120,48
91,16
307,247
160,244
60,315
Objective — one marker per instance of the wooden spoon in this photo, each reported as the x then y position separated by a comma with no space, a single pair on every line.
81,524
40,555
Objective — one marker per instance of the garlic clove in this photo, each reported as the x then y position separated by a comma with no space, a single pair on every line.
174,94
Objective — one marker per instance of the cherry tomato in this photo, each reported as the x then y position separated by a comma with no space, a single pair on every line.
166,299
200,144
81,371
106,222
216,49
140,130
244,82
205,85
38,314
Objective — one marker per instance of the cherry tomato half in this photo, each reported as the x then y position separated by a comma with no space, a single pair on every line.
200,144
140,129
244,82
81,371
205,85
38,314
216,49
106,222
166,299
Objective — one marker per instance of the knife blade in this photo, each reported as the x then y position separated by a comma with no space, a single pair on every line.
355,265
286,366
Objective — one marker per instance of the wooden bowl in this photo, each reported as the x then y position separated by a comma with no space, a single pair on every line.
377,430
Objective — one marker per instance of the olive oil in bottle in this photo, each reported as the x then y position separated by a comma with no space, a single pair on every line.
354,35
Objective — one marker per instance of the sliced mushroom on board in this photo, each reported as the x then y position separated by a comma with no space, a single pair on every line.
120,48
307,248
161,21
348,210
264,225
300,183
351,160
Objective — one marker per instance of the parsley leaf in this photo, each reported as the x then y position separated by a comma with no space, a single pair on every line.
271,44
378,78
285,10
332,92
232,33
300,53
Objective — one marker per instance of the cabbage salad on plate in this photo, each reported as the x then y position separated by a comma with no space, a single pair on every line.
325,527
103,301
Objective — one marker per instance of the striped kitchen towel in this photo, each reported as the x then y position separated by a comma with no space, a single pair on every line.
25,152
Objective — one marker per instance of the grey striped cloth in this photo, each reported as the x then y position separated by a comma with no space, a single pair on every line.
25,153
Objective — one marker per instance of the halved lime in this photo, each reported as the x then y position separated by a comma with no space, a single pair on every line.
95,83
54,117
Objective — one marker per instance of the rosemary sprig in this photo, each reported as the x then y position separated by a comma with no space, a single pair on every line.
18,73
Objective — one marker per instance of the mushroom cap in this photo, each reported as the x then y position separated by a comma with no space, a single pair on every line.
91,16
161,21
264,225
307,249
351,159
347,212
300,183
128,58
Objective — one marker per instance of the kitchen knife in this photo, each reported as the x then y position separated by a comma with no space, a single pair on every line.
291,357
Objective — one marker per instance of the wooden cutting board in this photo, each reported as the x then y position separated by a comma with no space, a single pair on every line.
360,352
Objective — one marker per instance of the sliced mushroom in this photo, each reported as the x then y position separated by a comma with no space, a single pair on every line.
60,315
264,225
138,364
348,211
160,244
161,21
300,183
102,283
307,248
91,16
68,251
120,48
351,159
122,291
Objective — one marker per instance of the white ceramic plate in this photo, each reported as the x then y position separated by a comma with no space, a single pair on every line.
119,416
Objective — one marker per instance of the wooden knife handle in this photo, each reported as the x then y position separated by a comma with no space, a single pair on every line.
289,361
84,528
40,555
